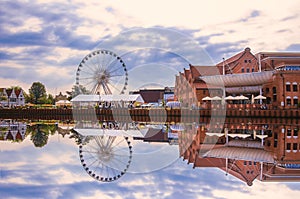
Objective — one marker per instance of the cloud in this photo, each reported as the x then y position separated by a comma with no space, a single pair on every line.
56,172
59,34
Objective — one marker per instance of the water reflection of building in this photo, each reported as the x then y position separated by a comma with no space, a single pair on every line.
266,153
12,130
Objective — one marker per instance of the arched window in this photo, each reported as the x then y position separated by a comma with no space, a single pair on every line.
295,87
288,86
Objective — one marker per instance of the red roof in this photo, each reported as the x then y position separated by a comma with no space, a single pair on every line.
18,91
9,91
204,71
233,58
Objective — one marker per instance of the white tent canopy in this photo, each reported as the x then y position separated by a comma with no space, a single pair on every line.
206,98
108,98
215,134
216,98
241,97
62,103
259,97
109,132
229,98
86,98
233,135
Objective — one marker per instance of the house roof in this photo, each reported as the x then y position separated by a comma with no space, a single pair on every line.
9,91
18,92
204,71
233,58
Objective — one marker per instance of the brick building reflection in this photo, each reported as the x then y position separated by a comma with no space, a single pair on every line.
263,152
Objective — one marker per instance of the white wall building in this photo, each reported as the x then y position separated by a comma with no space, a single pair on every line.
11,97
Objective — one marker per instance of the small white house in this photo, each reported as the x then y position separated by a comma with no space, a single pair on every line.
11,97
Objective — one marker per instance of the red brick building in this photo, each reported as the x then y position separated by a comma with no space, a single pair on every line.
273,75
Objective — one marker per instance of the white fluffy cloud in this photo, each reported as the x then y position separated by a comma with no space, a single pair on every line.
57,35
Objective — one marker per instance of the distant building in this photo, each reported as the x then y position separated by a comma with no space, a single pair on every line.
60,96
156,95
11,97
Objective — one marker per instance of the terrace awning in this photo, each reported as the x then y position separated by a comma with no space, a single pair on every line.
233,135
240,153
243,89
237,80
215,134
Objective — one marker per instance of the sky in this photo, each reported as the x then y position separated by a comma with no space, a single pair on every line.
45,40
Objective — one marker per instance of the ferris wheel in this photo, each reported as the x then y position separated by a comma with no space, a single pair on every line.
105,158
102,72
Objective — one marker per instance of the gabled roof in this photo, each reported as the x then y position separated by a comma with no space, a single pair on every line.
204,71
9,91
18,92
232,59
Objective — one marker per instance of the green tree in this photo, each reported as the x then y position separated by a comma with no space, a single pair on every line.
37,93
76,90
50,99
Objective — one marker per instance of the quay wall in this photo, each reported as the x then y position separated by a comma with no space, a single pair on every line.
150,115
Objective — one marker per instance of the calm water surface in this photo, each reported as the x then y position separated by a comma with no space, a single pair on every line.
48,165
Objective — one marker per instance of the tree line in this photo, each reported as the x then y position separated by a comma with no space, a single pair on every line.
38,94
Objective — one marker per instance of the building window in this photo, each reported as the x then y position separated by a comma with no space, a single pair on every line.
248,70
295,87
249,60
252,70
288,86
274,90
288,101
243,70
288,146
267,90
274,98
289,132
295,146
295,101
295,132
245,60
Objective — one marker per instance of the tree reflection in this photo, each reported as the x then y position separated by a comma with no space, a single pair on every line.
40,133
